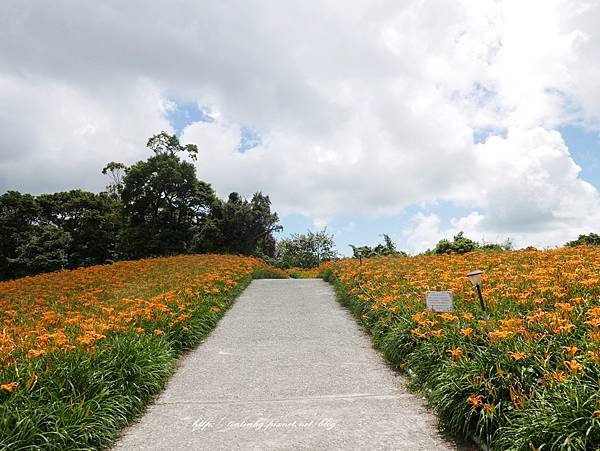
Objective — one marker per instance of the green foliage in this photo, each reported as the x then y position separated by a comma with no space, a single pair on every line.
43,249
305,250
81,400
520,407
238,226
92,221
163,202
165,144
155,207
387,248
269,273
18,215
591,239
461,245
55,231
116,172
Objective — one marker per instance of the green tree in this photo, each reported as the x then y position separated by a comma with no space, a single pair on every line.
461,245
239,226
591,239
305,250
163,201
18,216
387,248
43,248
165,144
116,171
92,220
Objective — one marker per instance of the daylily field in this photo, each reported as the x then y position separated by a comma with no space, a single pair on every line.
532,382
82,351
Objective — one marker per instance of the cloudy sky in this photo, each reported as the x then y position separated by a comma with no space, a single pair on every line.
414,118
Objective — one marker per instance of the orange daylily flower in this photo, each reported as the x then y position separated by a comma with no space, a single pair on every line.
455,352
516,355
9,387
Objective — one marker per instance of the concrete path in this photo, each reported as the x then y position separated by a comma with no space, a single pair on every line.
286,368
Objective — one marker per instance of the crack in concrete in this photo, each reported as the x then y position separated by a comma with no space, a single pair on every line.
299,399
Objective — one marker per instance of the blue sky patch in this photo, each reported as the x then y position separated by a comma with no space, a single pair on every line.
249,139
186,113
364,230
584,146
479,136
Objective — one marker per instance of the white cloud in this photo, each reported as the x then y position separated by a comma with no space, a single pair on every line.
423,233
530,182
57,137
363,109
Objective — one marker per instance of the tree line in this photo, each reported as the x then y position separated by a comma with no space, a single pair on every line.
159,207
152,208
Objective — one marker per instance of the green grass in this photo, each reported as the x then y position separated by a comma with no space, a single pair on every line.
269,273
558,416
79,400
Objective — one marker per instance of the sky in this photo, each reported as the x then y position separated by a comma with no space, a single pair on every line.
418,119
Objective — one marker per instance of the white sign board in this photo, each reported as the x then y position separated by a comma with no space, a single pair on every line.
439,301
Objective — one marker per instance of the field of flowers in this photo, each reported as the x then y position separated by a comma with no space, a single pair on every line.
532,382
81,352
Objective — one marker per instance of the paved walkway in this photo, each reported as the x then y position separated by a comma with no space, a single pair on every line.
286,368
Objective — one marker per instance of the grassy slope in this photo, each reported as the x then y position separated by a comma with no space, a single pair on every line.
81,400
520,406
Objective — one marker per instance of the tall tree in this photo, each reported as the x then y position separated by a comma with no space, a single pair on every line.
239,226
592,239
92,221
116,172
387,248
18,216
163,201
305,250
42,249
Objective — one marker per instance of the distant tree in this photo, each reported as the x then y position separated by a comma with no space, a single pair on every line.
42,249
387,248
155,207
239,226
163,201
116,172
18,216
305,251
92,221
591,239
506,245
461,245
165,144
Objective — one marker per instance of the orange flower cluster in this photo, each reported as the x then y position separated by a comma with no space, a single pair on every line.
75,309
544,306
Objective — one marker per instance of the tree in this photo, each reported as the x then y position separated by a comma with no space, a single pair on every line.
116,172
163,201
155,207
18,216
165,144
239,226
305,251
461,245
591,239
387,248
92,220
42,249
